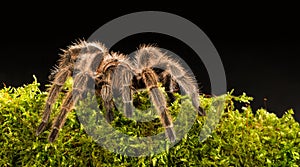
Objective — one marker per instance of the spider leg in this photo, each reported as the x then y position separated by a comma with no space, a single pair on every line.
87,57
126,90
159,60
170,85
106,95
59,80
159,101
124,75
112,78
80,82
60,120
186,82
80,86
121,79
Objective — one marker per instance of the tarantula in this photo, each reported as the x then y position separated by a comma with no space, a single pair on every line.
108,69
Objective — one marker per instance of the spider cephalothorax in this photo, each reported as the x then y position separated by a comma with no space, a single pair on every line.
112,70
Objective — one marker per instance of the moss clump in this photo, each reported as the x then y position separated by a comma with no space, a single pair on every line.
241,138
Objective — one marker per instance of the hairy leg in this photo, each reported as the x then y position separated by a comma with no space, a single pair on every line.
104,91
87,57
80,82
159,101
127,92
106,95
187,83
149,56
170,85
60,79
118,75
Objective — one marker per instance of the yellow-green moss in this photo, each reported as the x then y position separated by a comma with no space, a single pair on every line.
241,138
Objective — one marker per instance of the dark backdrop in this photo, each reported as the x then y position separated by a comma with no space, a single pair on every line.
258,44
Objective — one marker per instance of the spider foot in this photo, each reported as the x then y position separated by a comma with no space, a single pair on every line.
40,128
53,135
170,133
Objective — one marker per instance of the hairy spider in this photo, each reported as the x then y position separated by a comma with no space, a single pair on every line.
92,61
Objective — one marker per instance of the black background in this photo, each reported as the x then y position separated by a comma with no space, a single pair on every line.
258,44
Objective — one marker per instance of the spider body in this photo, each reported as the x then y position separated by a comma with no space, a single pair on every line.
91,61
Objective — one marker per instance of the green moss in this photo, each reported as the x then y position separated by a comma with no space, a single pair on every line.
241,138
